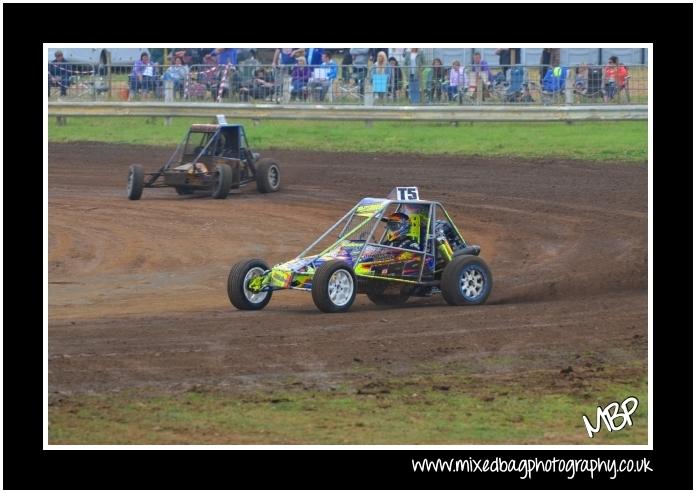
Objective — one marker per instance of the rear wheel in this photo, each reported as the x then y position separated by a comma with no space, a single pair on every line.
267,176
241,274
334,287
136,182
466,280
223,182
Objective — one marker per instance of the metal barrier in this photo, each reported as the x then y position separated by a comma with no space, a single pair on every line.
273,111
372,85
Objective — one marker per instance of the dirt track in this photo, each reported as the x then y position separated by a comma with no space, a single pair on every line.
137,289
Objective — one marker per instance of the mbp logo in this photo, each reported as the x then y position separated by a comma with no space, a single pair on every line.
609,415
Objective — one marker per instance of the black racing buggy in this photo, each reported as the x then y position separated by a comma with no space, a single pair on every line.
212,157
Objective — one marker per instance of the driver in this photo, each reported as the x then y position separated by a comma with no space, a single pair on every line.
398,225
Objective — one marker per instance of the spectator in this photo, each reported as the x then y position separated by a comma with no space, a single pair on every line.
457,79
360,56
314,58
58,73
300,79
346,65
624,75
395,79
413,65
435,81
143,75
246,73
178,74
373,52
324,76
581,81
610,76
209,75
506,58
262,85
482,71
550,57
379,75
185,54
615,79
481,66
285,57
225,56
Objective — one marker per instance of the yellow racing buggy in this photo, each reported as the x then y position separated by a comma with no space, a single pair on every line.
387,248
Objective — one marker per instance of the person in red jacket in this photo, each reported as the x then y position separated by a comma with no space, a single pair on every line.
615,78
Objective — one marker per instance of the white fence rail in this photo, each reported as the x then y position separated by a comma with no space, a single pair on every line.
357,112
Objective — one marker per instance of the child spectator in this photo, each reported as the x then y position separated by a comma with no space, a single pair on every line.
299,79
457,79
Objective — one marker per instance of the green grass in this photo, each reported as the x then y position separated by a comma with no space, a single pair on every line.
426,410
602,141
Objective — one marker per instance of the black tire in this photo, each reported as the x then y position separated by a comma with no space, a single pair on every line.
136,182
328,300
267,175
379,298
236,285
456,290
221,187
184,190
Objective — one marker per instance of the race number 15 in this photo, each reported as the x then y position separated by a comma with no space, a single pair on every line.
407,193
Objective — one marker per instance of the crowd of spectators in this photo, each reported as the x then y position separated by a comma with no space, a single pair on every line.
312,73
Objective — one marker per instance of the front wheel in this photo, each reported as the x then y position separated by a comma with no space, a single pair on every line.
136,182
241,274
267,176
466,280
223,182
334,287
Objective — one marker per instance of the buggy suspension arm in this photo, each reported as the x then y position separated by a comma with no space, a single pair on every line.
153,176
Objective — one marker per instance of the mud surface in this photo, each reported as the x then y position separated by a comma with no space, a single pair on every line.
137,289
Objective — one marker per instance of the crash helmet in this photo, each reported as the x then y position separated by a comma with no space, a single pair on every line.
397,226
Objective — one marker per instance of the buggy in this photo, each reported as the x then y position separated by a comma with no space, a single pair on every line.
213,157
353,257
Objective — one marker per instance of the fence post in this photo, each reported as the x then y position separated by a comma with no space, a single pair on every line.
108,74
369,95
95,75
168,98
479,88
570,86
